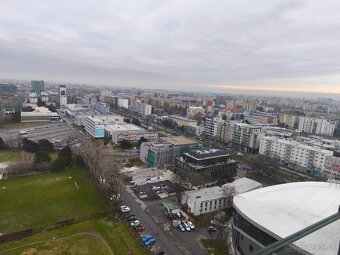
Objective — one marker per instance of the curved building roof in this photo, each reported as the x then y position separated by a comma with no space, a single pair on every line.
282,210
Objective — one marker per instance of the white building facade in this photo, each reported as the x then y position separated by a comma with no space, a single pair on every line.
294,153
317,126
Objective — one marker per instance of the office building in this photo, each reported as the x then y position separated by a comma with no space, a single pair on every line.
40,114
164,151
204,200
201,167
62,95
102,108
95,125
126,131
8,89
37,87
216,198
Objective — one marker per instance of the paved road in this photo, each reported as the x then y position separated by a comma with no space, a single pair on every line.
167,244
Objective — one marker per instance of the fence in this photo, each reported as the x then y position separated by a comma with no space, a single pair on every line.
18,235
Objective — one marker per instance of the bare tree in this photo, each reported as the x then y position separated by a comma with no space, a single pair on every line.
229,192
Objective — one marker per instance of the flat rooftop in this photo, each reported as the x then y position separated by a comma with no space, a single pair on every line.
206,193
122,127
242,185
208,154
178,140
282,210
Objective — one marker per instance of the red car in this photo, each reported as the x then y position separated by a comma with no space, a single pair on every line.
139,228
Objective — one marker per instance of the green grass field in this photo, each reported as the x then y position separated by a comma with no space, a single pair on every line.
41,200
9,155
91,237
216,247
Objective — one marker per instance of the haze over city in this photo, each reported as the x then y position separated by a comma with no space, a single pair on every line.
268,47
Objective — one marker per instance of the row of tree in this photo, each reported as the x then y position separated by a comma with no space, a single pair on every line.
100,163
41,145
3,145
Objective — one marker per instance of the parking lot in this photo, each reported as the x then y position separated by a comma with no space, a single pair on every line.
168,189
57,131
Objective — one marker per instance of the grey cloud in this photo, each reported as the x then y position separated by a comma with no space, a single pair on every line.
157,43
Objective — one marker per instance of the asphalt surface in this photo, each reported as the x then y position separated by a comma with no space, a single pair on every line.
57,130
169,245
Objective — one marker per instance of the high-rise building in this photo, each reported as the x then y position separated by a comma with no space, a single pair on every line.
7,89
62,95
317,126
37,86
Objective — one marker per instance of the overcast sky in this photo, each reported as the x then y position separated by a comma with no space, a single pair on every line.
221,45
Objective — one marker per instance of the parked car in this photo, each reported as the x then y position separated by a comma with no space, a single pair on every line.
140,229
150,242
128,215
141,193
135,223
186,226
181,228
147,237
125,209
155,188
192,226
116,197
211,229
132,218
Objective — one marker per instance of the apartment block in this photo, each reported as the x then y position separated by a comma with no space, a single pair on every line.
309,158
317,126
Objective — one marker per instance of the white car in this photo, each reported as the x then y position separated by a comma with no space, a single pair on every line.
115,197
186,226
135,223
192,226
125,209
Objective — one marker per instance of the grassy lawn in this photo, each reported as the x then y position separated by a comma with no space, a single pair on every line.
216,247
24,124
203,220
90,237
9,155
288,176
41,200
80,128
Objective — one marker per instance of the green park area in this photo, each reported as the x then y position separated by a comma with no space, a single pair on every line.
215,247
9,155
42,200
98,236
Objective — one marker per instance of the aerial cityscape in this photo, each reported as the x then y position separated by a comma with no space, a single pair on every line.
186,127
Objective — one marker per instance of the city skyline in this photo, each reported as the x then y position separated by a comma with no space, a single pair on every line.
283,48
